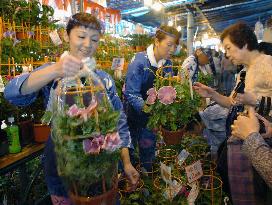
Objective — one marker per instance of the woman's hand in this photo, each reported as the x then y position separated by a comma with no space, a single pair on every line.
268,126
203,90
246,99
132,175
68,66
244,126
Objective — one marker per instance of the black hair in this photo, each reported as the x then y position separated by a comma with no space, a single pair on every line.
84,19
240,34
164,30
265,48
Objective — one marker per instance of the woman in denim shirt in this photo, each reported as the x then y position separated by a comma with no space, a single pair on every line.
140,77
84,32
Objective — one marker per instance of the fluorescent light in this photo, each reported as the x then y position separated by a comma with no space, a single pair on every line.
148,3
170,23
179,28
157,6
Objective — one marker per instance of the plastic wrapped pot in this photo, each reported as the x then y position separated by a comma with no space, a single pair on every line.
85,134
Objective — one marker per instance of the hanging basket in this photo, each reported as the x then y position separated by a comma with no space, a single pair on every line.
86,138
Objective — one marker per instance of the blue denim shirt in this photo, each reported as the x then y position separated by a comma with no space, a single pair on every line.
13,94
140,77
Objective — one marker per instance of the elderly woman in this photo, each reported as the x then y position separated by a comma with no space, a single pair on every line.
241,48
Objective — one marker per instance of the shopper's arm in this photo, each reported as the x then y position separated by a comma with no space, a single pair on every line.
222,100
208,92
260,155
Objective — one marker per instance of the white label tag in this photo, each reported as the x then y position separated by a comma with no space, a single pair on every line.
194,171
203,70
118,63
193,194
172,190
166,173
182,156
55,37
2,86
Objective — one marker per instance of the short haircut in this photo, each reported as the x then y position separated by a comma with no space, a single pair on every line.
164,30
265,48
83,19
240,34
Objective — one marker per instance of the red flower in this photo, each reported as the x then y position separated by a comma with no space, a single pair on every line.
85,113
93,146
152,96
167,95
73,111
112,142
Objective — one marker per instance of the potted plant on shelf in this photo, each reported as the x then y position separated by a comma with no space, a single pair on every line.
170,106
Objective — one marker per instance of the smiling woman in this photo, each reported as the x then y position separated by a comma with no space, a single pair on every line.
84,32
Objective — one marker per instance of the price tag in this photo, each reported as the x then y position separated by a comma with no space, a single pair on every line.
182,156
193,194
194,171
55,37
118,63
166,173
203,70
172,190
2,86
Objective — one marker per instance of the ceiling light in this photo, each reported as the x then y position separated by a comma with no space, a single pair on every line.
170,23
179,28
148,3
157,6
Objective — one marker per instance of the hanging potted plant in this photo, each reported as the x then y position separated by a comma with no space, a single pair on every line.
84,131
170,106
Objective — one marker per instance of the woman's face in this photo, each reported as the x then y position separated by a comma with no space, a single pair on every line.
83,42
234,53
166,47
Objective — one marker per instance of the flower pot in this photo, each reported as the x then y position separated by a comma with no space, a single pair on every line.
140,48
21,35
172,137
41,133
107,198
26,132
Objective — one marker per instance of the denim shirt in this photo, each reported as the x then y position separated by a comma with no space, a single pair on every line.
13,94
140,77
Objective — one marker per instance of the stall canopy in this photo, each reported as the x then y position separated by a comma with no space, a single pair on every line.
209,14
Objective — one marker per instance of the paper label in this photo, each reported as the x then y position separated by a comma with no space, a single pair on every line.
166,173
193,194
172,190
2,86
194,171
203,70
182,156
55,37
118,63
